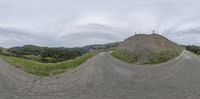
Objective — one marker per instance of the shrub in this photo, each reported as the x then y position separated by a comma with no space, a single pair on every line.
193,48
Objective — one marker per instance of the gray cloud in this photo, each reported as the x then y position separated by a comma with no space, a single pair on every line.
77,23
13,37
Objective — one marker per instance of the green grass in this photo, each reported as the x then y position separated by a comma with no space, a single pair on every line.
151,58
4,50
155,58
32,57
46,69
124,56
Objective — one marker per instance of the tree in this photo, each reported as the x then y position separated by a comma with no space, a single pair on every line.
46,54
193,48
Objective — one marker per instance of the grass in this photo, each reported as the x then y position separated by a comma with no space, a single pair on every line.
151,58
155,58
46,69
124,56
32,57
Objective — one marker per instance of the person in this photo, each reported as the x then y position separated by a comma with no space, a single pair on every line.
153,32
1,51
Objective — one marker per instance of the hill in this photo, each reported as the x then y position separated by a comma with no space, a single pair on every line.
52,54
147,49
101,46
44,54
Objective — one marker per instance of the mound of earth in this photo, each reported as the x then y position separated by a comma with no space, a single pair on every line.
147,49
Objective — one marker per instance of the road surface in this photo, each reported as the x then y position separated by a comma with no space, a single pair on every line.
104,77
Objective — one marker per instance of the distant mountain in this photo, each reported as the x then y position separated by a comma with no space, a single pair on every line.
98,46
33,49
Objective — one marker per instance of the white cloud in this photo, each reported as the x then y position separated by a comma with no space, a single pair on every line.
55,21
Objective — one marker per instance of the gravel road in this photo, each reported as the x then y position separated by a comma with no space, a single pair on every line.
104,77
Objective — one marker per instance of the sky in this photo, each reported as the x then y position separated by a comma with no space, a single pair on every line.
74,23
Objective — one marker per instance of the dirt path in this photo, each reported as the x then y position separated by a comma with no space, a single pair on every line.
103,77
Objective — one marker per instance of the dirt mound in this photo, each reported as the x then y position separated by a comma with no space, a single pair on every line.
147,49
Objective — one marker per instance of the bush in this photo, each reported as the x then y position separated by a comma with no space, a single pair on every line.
193,48
49,60
32,57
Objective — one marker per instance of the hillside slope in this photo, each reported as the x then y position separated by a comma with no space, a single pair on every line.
147,49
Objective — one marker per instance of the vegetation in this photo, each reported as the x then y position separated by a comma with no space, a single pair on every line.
153,58
44,54
101,46
164,56
136,49
193,48
124,56
45,69
52,55
28,58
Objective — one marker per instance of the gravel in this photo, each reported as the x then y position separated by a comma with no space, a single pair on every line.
104,77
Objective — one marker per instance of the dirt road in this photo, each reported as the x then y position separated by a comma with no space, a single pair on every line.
104,77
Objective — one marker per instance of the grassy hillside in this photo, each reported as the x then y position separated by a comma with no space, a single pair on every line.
45,69
45,61
52,54
147,49
45,54
152,58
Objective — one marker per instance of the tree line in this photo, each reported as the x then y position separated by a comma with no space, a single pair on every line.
52,54
45,54
193,48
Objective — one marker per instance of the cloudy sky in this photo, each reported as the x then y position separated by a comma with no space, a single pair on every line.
71,23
